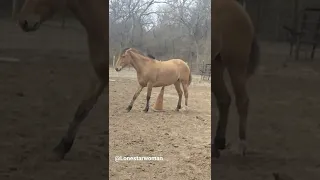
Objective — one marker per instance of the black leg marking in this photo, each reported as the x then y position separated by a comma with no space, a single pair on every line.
129,108
220,143
63,147
147,105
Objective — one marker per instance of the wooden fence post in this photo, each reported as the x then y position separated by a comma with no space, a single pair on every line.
296,26
14,8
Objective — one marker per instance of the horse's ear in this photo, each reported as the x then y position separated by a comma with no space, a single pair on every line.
127,51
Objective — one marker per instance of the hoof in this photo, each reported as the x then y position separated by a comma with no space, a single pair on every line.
55,156
243,147
146,110
278,176
62,149
220,143
215,152
129,108
178,107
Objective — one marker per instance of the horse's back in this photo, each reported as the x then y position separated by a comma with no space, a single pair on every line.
181,67
176,63
233,29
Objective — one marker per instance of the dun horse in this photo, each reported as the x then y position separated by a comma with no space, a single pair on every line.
154,73
235,48
93,16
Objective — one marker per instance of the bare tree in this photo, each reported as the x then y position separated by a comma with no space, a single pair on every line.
132,15
195,17
164,28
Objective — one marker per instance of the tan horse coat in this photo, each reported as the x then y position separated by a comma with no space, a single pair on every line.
161,73
235,49
153,73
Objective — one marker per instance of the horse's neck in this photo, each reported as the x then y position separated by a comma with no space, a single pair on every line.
138,62
92,15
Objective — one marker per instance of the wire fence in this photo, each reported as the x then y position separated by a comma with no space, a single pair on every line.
270,16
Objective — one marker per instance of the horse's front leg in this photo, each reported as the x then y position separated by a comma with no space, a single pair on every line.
136,94
83,110
149,86
98,56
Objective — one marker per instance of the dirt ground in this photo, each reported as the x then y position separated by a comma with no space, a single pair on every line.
181,138
40,93
283,125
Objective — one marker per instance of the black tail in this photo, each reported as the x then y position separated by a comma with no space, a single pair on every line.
190,78
254,57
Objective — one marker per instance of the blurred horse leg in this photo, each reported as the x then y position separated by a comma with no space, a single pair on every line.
97,54
83,110
238,76
223,99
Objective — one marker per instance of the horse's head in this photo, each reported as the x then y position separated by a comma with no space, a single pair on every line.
34,12
123,60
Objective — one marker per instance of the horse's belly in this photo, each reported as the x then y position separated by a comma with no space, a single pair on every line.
160,84
166,80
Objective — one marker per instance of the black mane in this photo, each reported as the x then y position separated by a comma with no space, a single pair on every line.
151,56
144,54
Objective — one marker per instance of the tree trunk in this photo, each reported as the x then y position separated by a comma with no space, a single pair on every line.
173,49
197,54
131,38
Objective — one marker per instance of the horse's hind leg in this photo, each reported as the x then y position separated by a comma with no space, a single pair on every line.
149,85
186,93
179,91
238,77
136,94
83,110
223,101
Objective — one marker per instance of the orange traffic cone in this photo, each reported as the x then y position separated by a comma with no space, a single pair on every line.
158,106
